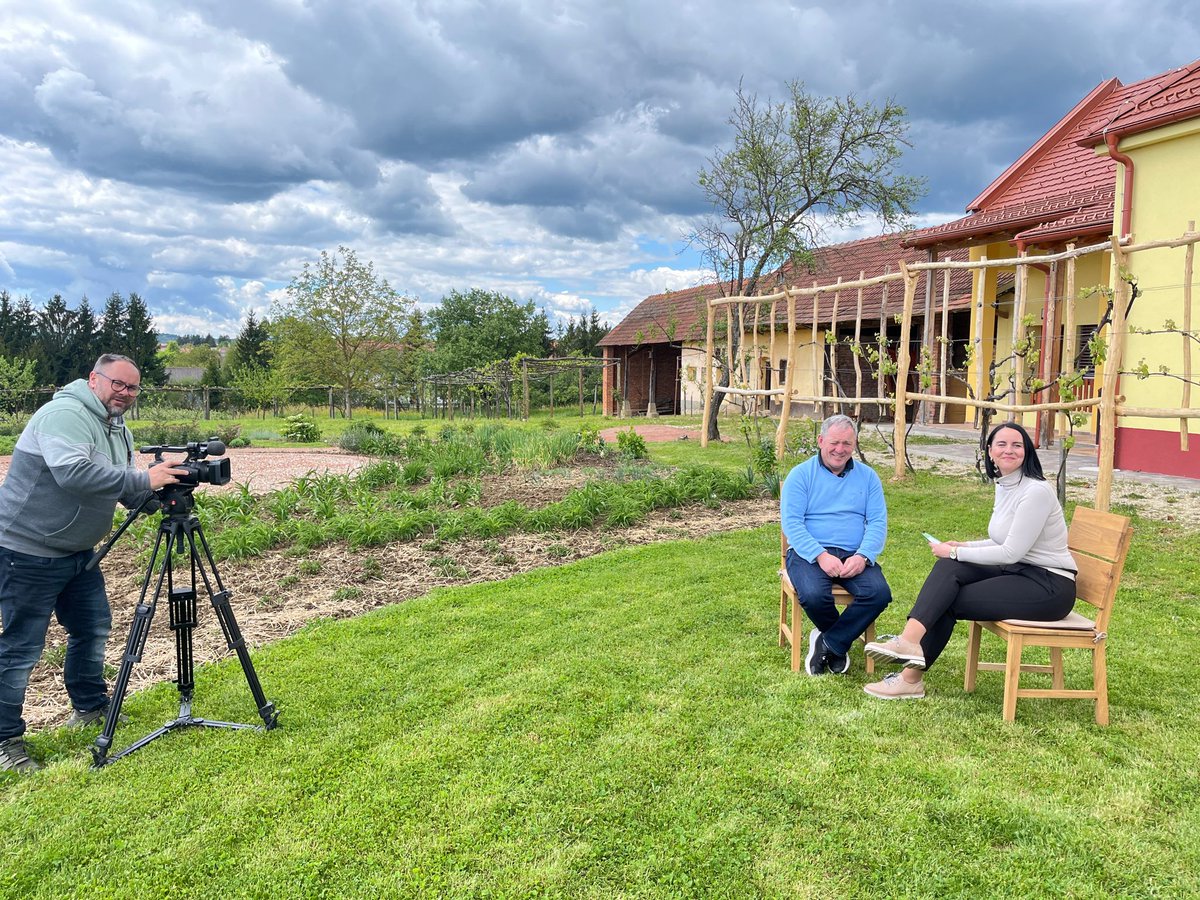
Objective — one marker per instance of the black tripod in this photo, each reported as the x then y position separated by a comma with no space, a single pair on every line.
177,530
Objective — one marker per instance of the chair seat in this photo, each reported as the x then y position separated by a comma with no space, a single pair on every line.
1072,621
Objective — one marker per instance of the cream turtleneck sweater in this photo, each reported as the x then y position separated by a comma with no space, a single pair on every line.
1027,526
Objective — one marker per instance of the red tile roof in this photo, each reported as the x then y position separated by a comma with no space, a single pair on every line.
1174,97
681,315
1060,189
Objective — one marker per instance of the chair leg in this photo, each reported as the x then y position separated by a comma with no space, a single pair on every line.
797,635
1100,683
868,637
1012,677
783,605
1056,663
974,631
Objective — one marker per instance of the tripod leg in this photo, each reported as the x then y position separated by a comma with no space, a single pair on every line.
134,646
229,626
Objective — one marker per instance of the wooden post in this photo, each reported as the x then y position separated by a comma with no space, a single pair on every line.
789,381
331,413
1187,340
833,323
980,285
1018,329
1049,336
708,381
1066,359
945,345
858,345
879,392
902,366
756,361
525,389
1112,371
927,330
581,392
818,354
206,402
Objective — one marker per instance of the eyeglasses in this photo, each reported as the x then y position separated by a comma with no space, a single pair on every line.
120,386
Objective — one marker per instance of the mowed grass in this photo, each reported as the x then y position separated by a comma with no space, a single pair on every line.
627,726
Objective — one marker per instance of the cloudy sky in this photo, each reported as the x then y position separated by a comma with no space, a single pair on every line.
199,153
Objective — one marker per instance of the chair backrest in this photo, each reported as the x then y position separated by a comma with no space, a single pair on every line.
1099,542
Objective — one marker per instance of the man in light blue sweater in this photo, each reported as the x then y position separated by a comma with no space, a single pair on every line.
835,520
71,465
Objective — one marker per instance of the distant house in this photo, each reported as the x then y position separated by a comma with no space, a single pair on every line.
1122,161
184,374
660,345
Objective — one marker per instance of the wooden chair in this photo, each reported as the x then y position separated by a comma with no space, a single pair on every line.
793,633
1099,542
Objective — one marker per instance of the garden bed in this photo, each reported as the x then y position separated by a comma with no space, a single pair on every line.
278,592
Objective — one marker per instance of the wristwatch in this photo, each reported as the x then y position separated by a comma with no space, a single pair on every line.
954,553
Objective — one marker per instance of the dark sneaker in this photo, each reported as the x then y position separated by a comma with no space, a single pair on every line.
814,663
893,648
837,663
15,758
81,719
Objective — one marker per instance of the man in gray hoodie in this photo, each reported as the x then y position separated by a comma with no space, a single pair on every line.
71,465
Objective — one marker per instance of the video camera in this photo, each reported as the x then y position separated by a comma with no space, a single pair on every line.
200,470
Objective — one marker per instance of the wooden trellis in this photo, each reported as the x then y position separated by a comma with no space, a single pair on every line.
1108,406
500,377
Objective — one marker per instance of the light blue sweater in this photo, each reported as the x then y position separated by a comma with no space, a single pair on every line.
820,509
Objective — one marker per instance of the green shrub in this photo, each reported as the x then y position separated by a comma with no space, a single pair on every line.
358,435
632,445
301,428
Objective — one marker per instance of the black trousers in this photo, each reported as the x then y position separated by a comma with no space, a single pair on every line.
961,590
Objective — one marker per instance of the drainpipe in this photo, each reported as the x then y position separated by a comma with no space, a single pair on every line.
1110,141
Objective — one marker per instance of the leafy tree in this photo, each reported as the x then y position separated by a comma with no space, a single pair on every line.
16,377
478,327
81,350
795,167
141,341
113,326
55,331
252,348
339,324
258,386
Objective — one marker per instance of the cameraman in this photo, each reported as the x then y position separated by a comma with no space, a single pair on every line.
71,464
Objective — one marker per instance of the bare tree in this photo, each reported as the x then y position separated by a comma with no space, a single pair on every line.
795,168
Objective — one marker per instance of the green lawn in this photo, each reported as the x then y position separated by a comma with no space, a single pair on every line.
627,726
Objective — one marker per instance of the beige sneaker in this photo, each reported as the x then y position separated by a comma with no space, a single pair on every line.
894,687
893,648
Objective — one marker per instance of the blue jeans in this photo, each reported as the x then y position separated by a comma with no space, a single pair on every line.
31,588
815,591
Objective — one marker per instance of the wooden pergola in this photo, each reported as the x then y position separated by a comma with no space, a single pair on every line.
1109,405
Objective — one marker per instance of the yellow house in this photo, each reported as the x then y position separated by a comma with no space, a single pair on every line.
1121,162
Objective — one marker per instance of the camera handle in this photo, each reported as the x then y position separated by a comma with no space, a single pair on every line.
150,505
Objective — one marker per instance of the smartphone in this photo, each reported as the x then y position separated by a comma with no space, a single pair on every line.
929,537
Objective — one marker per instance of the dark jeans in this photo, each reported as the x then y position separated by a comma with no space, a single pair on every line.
31,588
814,589
961,590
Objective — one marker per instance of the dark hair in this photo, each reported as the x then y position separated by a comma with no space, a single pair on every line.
1031,467
109,358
